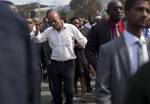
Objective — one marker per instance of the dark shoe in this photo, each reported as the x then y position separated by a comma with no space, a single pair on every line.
52,102
89,90
83,100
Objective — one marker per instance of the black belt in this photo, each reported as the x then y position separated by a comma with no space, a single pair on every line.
62,61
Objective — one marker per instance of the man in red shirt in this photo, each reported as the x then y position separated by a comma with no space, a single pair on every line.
105,30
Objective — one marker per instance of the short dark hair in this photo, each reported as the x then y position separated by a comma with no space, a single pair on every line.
130,3
111,3
48,12
71,20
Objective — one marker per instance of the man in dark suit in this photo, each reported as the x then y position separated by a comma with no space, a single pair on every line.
138,89
119,59
18,74
103,31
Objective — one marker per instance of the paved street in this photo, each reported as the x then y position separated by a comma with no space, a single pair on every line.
46,95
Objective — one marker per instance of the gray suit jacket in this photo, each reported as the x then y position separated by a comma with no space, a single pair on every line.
113,72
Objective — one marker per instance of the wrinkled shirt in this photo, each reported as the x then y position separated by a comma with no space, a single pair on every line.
62,43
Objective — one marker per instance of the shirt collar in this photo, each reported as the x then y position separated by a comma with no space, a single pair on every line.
112,23
64,26
131,39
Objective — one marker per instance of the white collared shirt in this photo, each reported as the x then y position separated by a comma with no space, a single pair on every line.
62,43
133,49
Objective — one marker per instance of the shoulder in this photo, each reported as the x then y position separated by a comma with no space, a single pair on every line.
112,45
48,30
102,24
67,25
70,27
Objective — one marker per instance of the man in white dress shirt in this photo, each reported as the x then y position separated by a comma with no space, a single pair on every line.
61,37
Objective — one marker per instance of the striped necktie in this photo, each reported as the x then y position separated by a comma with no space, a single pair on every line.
116,32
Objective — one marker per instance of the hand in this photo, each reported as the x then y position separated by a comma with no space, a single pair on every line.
77,45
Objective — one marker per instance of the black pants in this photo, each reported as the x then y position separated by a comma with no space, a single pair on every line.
62,74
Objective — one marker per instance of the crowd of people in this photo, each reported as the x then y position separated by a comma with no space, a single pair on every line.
115,48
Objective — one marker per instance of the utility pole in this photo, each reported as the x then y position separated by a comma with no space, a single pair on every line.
38,8
53,4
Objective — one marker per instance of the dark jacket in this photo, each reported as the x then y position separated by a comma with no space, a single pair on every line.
18,63
100,34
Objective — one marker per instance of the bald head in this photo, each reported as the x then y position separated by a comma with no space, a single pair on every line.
112,3
55,19
53,13
115,10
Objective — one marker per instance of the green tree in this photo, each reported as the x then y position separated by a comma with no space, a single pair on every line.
85,7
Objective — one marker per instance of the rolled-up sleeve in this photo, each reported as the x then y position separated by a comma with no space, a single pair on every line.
41,37
79,37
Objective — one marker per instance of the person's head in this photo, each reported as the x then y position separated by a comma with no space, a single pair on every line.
55,19
98,18
46,16
37,22
44,20
115,10
76,22
91,20
12,8
29,24
137,12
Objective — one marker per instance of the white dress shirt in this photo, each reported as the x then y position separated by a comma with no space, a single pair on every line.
32,33
62,43
133,49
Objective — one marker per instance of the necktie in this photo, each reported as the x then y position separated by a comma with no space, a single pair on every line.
116,32
141,57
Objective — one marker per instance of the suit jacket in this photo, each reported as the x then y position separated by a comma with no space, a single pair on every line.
139,87
113,72
18,64
100,34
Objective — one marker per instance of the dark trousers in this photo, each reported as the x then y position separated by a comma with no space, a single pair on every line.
62,74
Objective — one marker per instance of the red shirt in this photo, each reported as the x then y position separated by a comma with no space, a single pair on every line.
112,25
